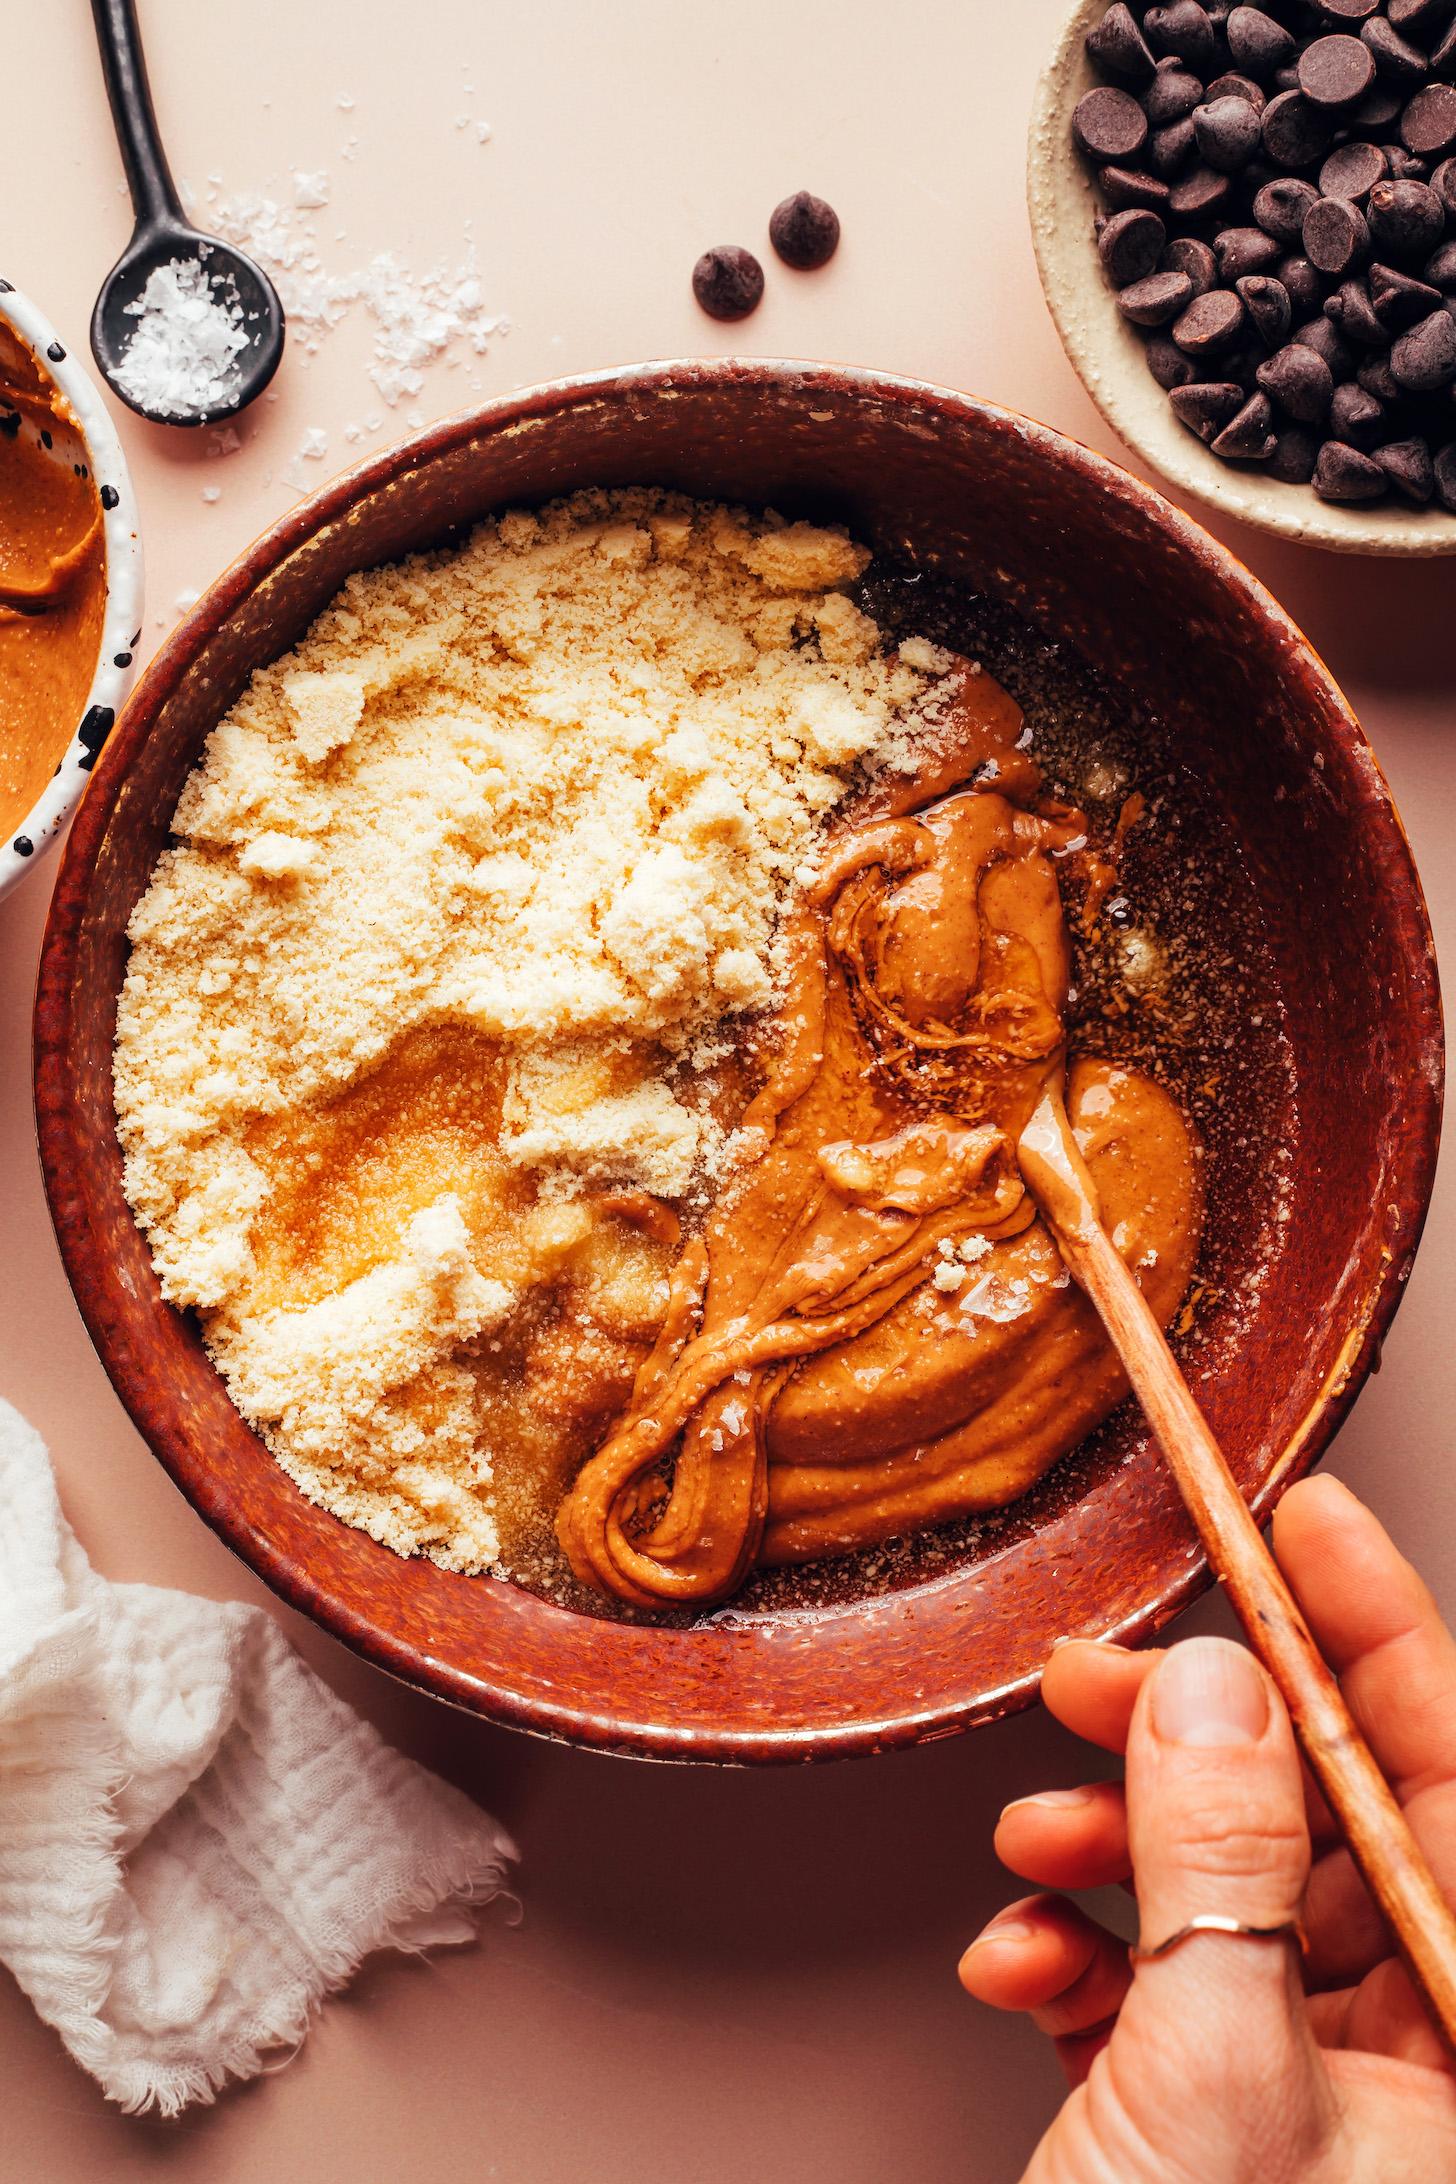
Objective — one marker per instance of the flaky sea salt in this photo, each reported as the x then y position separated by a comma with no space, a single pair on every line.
183,356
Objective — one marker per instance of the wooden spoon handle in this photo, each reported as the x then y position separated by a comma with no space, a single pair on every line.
1372,1822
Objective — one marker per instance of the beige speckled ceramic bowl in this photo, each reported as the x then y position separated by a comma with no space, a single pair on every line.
1109,358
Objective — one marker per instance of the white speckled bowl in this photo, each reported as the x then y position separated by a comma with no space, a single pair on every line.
121,626
1108,353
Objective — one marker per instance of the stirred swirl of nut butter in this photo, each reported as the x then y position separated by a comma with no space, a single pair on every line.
874,1332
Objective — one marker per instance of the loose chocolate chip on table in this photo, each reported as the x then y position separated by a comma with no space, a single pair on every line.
1428,124
728,281
1355,416
1441,269
1207,409
1399,299
1344,474
1152,302
1248,437
1296,132
1234,86
1171,96
1280,207
1352,171
1124,187
1109,125
1353,311
1445,469
1168,365
1295,455
1443,184
1210,323
804,231
1228,133
1130,246
1186,254
1198,194
1300,382
1377,378
1267,303
1405,219
1335,235
1336,71
1170,149
1393,55
1256,42
1117,45
1408,465
1425,358
1180,27
1244,250
1301,283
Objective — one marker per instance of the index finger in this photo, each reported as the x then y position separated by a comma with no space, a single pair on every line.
1091,1685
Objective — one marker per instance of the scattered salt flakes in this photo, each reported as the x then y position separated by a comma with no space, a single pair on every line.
949,1277
353,433
974,1248
183,356
225,441
310,190
1023,741
314,445
185,600
211,493
483,132
349,149
462,121
344,103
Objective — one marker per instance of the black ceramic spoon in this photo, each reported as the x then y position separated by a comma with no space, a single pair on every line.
162,237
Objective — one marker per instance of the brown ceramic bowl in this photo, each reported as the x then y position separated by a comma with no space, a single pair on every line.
1090,555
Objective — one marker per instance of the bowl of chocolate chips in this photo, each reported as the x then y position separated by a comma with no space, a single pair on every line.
1245,223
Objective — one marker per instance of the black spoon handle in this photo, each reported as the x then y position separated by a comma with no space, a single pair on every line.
153,192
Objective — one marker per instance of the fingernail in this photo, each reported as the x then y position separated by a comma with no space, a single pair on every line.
1004,1930
1052,1800
1209,1692
1108,1645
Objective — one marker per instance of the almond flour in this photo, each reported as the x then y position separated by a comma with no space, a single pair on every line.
466,896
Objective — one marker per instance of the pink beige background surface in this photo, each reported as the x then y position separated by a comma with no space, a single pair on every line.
715,1975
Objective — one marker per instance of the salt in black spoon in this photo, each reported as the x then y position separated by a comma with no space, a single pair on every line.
162,237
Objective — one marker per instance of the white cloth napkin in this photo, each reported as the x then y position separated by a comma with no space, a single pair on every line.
198,1840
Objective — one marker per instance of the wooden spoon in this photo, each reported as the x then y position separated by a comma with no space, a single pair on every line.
1375,1828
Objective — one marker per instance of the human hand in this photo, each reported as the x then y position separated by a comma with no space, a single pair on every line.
1230,2059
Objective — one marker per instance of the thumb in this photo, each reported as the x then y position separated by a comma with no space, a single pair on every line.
1216,1824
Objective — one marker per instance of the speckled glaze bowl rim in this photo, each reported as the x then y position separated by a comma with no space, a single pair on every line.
121,625
601,1726
1107,354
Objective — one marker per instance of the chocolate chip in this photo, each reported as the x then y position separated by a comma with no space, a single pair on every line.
1171,149
1118,46
1296,132
1347,11
1378,109
1168,365
1444,56
1355,416
1210,323
1443,184
1377,378
1324,338
1171,96
1301,283
1256,42
1425,358
1428,124
1295,455
1248,437
1445,470
1207,409
1124,187
1336,71
1393,55
1344,474
1441,269
1130,246
728,281
1199,194
1109,125
1185,254
1228,133
1353,311
1155,300
1405,219
1406,166
1267,303
1335,235
1300,381
1408,465
1400,300
1234,86
1243,250
1183,28
1410,14
804,231
1352,171
1280,207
